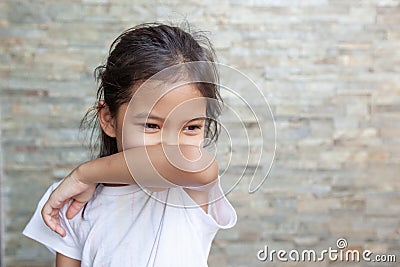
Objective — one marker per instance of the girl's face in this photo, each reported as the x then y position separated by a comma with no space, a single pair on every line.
177,118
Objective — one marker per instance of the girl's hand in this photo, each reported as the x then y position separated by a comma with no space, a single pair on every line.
71,188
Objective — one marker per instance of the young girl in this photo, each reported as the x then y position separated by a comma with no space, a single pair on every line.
153,195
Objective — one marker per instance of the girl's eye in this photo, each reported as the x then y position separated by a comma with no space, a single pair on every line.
192,128
151,126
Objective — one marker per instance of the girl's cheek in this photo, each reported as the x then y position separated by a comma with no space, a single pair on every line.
191,140
141,139
133,137
152,139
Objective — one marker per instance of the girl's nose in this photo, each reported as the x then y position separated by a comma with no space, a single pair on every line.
169,137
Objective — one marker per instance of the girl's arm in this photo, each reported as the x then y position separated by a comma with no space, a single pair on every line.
153,166
150,166
64,261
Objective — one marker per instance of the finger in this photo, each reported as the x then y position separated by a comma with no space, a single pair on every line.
52,220
74,208
59,230
47,216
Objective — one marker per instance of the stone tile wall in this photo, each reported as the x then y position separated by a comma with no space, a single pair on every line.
329,69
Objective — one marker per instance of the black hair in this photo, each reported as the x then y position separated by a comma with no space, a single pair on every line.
136,55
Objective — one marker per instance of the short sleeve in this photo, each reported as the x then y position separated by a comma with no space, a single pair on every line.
220,215
220,209
37,230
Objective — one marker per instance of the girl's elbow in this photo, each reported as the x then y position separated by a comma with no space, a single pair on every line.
205,170
209,175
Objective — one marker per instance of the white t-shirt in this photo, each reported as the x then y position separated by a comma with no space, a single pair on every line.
125,226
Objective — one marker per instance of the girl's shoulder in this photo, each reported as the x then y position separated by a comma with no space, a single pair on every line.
220,213
36,229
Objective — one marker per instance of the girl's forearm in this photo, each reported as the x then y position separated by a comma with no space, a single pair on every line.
149,166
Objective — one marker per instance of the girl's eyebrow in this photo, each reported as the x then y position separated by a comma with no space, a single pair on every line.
144,115
200,118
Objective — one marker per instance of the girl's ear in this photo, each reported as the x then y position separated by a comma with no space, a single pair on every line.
107,122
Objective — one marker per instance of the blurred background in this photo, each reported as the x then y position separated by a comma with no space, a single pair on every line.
329,69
